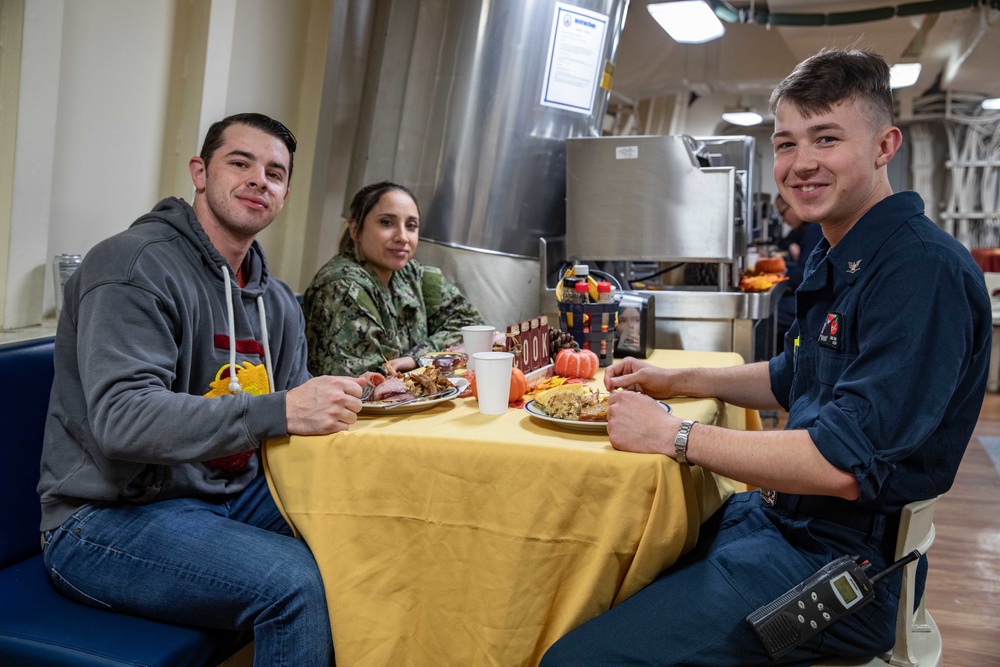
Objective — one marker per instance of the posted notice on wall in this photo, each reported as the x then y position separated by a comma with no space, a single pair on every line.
574,63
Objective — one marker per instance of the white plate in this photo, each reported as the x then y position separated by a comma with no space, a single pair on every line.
535,410
372,408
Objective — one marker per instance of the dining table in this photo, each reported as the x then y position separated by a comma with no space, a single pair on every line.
449,537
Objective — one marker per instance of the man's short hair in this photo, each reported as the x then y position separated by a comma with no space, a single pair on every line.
833,76
258,121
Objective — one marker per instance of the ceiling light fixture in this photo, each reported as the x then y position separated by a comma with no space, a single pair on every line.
992,103
902,75
687,21
743,117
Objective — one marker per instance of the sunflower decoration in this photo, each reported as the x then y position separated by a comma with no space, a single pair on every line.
253,379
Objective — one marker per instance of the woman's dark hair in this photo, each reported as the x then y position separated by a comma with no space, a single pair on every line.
258,121
833,76
365,200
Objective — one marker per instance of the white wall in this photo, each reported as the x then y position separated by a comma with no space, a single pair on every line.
265,70
110,120
138,84
30,35
111,105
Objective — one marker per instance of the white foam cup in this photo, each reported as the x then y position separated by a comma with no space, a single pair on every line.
493,381
477,338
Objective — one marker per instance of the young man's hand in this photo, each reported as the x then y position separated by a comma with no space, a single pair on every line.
637,423
324,404
634,375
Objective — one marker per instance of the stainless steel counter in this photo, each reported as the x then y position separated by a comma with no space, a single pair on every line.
708,303
699,318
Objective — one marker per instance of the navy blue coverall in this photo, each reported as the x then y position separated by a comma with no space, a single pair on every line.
886,367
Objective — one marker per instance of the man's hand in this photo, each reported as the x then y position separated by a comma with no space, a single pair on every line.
324,404
403,364
637,423
634,375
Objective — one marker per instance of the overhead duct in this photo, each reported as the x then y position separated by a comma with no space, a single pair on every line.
730,14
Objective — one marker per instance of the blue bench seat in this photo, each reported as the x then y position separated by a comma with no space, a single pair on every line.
38,626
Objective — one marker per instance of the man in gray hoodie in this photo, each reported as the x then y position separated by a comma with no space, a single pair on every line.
177,356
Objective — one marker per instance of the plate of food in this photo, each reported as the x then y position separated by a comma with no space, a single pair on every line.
575,407
417,390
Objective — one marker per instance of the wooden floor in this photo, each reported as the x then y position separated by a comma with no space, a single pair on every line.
963,582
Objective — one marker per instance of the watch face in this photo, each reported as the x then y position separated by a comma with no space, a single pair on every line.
680,442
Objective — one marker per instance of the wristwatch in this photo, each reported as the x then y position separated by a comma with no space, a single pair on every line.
681,441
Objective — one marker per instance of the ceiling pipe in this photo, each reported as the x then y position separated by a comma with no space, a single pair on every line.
730,14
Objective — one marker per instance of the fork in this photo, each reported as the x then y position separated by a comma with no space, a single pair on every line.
367,392
420,398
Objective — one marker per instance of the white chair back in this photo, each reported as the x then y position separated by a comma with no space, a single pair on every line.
918,640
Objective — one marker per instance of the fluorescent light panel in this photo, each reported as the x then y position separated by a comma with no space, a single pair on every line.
902,75
687,21
745,118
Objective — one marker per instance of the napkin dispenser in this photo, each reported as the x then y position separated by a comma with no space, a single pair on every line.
635,333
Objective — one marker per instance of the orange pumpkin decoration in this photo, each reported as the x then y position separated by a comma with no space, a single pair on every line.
518,385
572,363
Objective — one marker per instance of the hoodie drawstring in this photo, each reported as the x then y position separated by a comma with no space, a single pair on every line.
267,346
234,384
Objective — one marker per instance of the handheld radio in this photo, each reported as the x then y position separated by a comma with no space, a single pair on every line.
836,590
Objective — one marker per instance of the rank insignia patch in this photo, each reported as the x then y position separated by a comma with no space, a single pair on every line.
831,335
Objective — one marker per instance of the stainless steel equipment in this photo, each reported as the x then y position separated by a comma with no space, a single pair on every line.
453,108
676,199
457,107
647,188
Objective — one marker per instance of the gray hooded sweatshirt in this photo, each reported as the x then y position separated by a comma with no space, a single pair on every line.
152,331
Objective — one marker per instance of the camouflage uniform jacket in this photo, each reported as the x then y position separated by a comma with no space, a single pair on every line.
353,320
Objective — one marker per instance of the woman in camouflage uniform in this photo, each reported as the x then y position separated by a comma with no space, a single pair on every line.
373,301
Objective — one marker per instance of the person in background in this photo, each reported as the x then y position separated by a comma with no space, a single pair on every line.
373,302
883,386
798,244
176,356
802,236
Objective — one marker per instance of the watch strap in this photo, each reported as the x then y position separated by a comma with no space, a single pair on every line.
681,441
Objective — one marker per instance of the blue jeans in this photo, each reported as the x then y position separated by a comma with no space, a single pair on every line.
220,564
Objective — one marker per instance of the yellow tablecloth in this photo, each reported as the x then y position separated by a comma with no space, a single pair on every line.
447,537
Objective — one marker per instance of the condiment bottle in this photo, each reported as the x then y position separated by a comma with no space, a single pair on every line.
583,296
582,272
604,297
604,292
569,294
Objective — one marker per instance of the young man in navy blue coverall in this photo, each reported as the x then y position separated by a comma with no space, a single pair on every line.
883,376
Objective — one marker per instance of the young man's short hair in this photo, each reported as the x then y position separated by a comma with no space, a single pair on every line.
258,121
833,76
